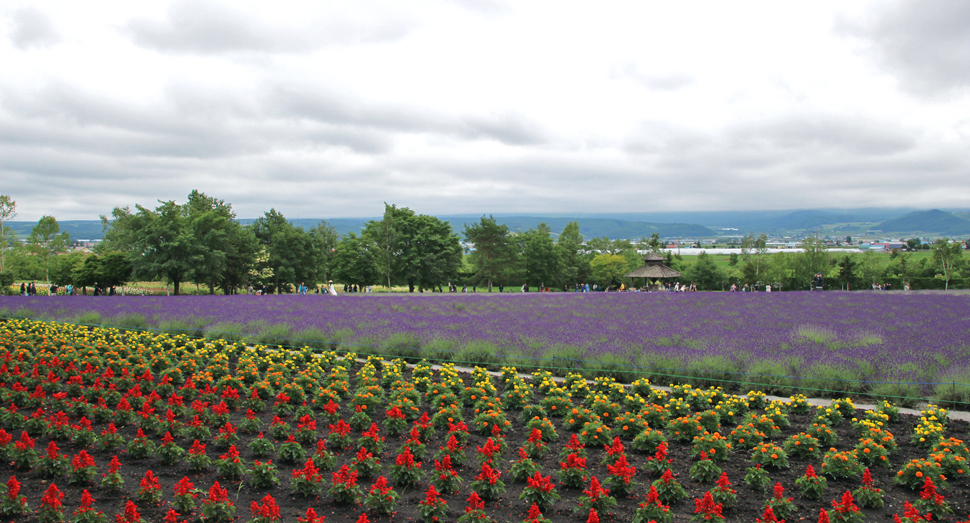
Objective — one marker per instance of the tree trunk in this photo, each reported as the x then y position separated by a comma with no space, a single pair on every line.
175,287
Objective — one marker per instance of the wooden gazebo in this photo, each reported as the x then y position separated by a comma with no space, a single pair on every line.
653,269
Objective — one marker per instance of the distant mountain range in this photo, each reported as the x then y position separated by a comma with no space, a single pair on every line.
666,224
933,221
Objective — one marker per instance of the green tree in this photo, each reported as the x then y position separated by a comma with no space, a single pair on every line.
416,249
733,259
608,268
165,246
705,274
654,245
63,265
355,262
813,259
112,269
386,239
325,239
847,277
8,211
574,266
778,270
542,257
870,268
226,250
493,257
948,257
46,240
753,251
292,256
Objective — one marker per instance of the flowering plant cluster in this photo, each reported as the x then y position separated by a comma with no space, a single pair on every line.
811,485
381,498
344,488
487,483
704,470
433,507
653,509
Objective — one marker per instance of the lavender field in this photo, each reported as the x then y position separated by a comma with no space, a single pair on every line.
891,344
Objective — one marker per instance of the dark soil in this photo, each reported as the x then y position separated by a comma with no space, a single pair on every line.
508,508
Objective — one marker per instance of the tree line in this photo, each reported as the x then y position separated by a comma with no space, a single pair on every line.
202,242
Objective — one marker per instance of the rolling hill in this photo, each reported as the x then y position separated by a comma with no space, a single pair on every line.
933,221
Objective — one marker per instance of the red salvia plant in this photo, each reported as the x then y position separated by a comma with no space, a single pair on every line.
432,508
53,463
487,452
595,497
572,472
183,495
406,470
931,502
307,481
769,517
12,504
474,510
868,495
910,515
217,507
707,509
344,488
371,440
620,479
382,497
266,512
846,510
658,463
488,483
113,480
823,516
535,447
85,513
394,421
130,515
51,505
151,490
445,478
311,515
82,468
614,451
230,465
540,491
534,515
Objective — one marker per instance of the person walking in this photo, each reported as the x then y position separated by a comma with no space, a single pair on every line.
332,289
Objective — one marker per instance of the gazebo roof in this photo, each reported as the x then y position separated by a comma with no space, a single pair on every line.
653,272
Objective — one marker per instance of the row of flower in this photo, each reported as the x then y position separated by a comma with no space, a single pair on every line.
71,378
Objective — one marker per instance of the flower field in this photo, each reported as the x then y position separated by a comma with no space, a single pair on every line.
899,346
101,424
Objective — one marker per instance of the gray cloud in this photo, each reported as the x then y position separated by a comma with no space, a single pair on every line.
207,27
836,135
509,128
32,28
925,44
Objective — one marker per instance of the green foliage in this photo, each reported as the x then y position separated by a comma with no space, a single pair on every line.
46,240
494,258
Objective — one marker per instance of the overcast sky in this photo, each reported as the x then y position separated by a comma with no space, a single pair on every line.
328,109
